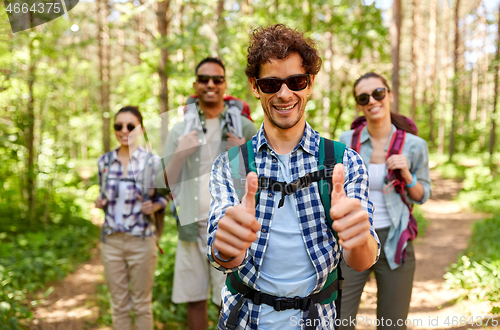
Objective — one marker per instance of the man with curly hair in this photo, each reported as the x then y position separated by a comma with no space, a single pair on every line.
279,249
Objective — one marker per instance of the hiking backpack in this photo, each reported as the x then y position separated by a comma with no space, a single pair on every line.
393,178
242,161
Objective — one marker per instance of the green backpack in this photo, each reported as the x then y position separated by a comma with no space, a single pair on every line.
242,161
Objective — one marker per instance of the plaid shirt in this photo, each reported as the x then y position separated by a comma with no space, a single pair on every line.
134,222
320,242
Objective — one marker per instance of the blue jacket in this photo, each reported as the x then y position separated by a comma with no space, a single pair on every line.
416,152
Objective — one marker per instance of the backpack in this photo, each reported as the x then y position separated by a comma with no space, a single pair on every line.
393,177
242,161
236,109
157,218
231,100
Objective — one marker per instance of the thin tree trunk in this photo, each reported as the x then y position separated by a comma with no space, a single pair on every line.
414,58
395,31
31,179
329,93
220,29
141,40
163,23
104,56
431,87
451,146
495,97
484,73
444,78
475,80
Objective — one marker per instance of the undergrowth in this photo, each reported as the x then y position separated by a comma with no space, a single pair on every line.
478,269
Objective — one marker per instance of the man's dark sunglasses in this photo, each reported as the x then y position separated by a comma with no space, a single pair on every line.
295,83
364,99
204,79
118,127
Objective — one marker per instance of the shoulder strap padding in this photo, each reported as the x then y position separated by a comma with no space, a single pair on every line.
330,153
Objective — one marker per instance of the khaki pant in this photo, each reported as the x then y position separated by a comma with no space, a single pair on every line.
393,289
130,260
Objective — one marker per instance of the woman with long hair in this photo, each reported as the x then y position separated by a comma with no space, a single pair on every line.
399,177
128,247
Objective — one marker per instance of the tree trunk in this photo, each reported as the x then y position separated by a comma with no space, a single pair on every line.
104,57
414,58
484,72
31,179
431,86
327,104
495,97
451,147
163,23
220,29
475,80
444,78
141,40
395,31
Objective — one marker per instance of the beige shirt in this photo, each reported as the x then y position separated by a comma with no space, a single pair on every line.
210,151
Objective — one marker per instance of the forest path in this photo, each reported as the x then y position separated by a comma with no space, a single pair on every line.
73,303
445,238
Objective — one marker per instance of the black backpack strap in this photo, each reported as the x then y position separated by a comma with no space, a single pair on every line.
235,285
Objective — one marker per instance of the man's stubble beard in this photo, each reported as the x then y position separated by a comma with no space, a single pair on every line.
272,121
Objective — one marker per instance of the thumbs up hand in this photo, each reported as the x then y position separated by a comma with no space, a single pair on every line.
238,227
350,221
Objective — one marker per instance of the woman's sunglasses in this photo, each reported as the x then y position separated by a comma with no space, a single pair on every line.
364,99
118,127
204,79
295,83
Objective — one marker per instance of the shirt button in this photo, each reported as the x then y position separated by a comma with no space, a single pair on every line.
195,179
274,160
270,195
195,218
200,140
197,159
263,230
203,123
252,321
195,198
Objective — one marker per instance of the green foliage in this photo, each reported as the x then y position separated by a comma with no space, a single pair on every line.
422,222
480,189
478,269
451,171
31,259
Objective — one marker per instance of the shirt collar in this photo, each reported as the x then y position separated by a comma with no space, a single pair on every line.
136,155
309,135
221,116
366,136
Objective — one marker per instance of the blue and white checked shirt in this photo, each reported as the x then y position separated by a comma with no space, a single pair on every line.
320,242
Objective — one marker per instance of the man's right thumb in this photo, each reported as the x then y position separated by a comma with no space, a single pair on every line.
248,201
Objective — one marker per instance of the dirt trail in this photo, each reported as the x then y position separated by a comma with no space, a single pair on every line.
72,304
445,238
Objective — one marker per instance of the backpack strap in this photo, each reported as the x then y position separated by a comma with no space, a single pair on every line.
356,137
240,164
411,232
330,153
105,173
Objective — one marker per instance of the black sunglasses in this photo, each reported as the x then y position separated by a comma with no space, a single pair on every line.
118,127
295,83
364,99
204,79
